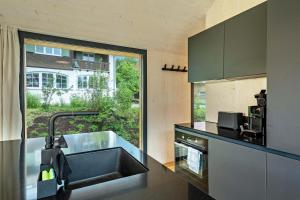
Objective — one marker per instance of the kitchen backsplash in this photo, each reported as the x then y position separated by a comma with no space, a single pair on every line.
232,96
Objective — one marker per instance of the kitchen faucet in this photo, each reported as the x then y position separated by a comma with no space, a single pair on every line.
52,153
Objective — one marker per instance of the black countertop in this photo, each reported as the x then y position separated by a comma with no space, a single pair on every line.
20,162
211,129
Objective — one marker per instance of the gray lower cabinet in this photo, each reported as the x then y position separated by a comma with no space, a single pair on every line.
246,43
205,54
283,178
283,69
236,172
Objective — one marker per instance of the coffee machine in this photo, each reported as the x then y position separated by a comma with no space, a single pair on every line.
257,116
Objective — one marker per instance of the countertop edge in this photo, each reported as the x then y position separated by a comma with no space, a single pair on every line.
246,144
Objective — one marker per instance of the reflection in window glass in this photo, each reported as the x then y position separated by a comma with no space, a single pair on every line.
199,102
32,80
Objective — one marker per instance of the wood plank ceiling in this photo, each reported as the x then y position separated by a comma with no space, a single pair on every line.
156,24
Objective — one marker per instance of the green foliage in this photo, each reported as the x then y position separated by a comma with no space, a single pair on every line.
49,91
116,112
78,102
33,101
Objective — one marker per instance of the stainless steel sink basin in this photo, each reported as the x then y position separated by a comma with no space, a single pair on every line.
100,166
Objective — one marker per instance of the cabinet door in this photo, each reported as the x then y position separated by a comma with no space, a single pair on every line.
205,54
283,70
245,43
236,172
283,180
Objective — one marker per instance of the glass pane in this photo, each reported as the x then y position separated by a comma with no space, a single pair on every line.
57,51
199,102
47,80
39,49
49,50
112,88
29,80
35,80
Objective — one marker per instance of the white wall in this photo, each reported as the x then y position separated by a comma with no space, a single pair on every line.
237,95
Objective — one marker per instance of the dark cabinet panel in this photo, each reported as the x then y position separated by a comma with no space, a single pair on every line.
282,178
245,43
235,172
205,54
283,69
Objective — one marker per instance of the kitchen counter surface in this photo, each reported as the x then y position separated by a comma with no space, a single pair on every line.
20,167
210,129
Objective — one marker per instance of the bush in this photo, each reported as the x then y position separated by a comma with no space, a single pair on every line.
33,101
78,102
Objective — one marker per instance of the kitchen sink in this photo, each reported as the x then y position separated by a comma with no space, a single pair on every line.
99,166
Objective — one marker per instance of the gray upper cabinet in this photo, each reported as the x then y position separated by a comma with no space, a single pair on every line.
283,69
282,178
231,49
236,172
205,54
245,43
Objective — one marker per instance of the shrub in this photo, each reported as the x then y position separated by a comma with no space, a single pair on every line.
33,101
78,102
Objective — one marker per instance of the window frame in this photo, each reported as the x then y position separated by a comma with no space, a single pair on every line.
45,51
87,82
53,78
32,87
61,83
141,52
88,56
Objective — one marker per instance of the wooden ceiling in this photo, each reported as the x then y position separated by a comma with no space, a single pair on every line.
147,24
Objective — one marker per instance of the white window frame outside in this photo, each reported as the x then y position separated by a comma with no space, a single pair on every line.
33,87
48,73
44,52
62,76
87,82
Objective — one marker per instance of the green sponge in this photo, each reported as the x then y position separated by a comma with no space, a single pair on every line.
45,175
51,174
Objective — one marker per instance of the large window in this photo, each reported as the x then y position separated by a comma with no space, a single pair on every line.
113,88
32,80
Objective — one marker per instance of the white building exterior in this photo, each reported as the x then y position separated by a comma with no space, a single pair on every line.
77,81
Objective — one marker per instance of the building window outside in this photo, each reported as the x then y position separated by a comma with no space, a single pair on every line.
32,80
48,50
61,81
88,57
82,82
47,80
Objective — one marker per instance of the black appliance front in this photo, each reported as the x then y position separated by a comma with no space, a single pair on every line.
191,159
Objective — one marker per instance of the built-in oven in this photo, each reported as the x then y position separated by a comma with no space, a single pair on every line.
191,159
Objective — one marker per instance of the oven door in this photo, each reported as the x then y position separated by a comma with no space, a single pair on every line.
185,167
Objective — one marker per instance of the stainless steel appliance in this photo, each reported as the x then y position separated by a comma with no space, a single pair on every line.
191,159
